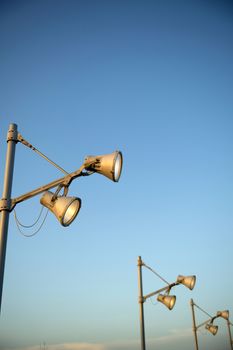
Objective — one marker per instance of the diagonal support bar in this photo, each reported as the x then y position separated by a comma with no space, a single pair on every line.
27,144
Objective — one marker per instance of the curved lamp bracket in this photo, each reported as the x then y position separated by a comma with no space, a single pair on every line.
59,188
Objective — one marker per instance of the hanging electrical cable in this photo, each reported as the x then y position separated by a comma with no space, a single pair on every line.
19,224
29,226
155,304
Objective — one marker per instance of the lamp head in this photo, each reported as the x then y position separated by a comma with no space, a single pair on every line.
211,328
64,208
187,281
168,300
109,165
223,314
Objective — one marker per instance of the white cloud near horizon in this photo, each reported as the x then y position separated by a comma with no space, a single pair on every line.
64,346
174,335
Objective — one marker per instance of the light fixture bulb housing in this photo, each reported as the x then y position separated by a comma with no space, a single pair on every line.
212,328
223,314
187,281
64,208
109,165
168,300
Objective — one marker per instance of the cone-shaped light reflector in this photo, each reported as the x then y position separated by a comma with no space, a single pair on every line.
187,281
64,208
223,314
168,300
109,165
211,328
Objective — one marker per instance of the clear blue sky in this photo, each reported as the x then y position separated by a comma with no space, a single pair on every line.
155,80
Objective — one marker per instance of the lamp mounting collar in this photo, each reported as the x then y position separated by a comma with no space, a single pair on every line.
5,204
169,289
12,134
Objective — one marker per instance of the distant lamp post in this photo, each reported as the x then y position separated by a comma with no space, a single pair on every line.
213,329
166,299
225,314
63,207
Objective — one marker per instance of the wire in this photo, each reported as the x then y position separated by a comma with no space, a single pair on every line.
35,232
203,332
155,304
28,226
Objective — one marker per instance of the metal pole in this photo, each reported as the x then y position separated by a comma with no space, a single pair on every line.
6,198
141,301
229,331
194,324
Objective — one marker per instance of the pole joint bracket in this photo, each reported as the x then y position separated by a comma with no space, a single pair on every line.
24,142
141,300
5,204
12,135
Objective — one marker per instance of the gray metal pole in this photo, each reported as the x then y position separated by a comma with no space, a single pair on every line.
194,324
229,331
6,198
141,301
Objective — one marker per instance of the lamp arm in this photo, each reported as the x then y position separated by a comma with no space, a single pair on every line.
64,181
160,290
207,321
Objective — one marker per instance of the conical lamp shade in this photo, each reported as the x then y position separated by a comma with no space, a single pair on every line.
168,300
187,281
212,328
109,165
64,208
223,314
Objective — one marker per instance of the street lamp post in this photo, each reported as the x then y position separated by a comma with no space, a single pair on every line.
141,301
225,314
166,299
229,324
63,207
6,195
194,324
208,323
